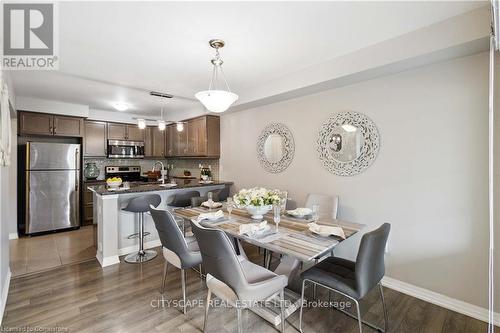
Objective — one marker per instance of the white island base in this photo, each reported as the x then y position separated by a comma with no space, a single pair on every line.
115,225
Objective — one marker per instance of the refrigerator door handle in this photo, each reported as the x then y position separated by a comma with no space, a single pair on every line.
77,167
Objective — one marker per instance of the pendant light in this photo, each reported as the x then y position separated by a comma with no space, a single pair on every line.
161,123
141,123
216,99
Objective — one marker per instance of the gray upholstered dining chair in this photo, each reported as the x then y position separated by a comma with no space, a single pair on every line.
328,205
354,279
180,251
234,279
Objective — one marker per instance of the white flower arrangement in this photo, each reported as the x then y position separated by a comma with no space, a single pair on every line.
257,196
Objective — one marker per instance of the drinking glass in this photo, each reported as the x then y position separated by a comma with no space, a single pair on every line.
315,212
229,206
210,200
277,217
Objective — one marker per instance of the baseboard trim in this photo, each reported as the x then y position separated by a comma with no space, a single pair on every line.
444,301
13,235
131,249
5,293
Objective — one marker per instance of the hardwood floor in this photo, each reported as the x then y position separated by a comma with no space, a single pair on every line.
40,253
86,298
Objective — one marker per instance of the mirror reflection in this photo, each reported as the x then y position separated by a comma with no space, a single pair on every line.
273,148
346,142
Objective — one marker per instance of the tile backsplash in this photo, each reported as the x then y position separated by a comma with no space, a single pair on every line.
178,170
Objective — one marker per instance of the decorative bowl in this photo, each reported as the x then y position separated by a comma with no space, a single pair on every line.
257,212
114,183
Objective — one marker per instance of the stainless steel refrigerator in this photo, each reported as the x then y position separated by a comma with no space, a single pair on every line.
52,186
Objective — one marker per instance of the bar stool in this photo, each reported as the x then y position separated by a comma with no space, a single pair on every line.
182,200
141,205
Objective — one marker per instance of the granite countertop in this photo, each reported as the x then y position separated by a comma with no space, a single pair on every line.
102,189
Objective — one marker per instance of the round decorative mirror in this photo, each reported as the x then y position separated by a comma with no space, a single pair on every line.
348,143
275,148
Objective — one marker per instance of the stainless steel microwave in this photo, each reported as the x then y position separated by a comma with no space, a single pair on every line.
125,149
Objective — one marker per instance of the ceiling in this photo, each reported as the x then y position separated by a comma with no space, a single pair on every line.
118,51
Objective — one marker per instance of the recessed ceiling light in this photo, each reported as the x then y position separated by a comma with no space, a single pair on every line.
120,106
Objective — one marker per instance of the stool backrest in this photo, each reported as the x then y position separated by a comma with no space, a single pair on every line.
184,199
370,266
141,204
219,257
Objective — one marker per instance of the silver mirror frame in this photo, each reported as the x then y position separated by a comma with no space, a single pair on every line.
288,148
369,150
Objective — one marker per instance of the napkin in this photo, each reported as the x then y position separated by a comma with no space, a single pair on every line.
252,228
214,204
326,230
210,216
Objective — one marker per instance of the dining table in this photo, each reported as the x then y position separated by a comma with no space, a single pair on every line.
291,239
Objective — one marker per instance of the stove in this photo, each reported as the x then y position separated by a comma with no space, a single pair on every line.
126,173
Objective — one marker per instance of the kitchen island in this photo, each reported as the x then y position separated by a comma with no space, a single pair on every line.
114,225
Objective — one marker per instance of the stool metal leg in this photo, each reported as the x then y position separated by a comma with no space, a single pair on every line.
142,255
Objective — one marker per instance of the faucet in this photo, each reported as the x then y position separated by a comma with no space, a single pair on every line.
162,171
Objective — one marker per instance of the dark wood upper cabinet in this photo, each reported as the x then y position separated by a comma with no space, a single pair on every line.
32,123
95,138
148,142
158,138
134,133
117,131
125,132
200,138
35,123
170,140
67,126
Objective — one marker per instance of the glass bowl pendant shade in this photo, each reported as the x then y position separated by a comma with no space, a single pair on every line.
215,99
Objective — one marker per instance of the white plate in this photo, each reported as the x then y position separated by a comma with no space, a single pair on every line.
214,205
299,212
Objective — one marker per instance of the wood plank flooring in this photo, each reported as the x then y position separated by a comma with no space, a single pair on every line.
122,298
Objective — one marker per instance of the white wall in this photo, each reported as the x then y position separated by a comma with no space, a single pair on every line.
7,213
429,179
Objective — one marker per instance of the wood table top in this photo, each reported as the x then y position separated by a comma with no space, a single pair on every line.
293,237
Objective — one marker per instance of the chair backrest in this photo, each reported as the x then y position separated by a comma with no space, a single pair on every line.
141,204
328,205
170,235
219,257
184,199
370,266
223,193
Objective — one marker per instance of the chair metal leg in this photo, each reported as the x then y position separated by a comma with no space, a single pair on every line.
358,317
165,272
240,324
386,320
207,306
265,257
183,281
201,274
282,308
301,305
360,323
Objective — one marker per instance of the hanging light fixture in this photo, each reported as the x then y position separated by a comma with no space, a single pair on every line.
180,127
161,123
216,99
141,123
